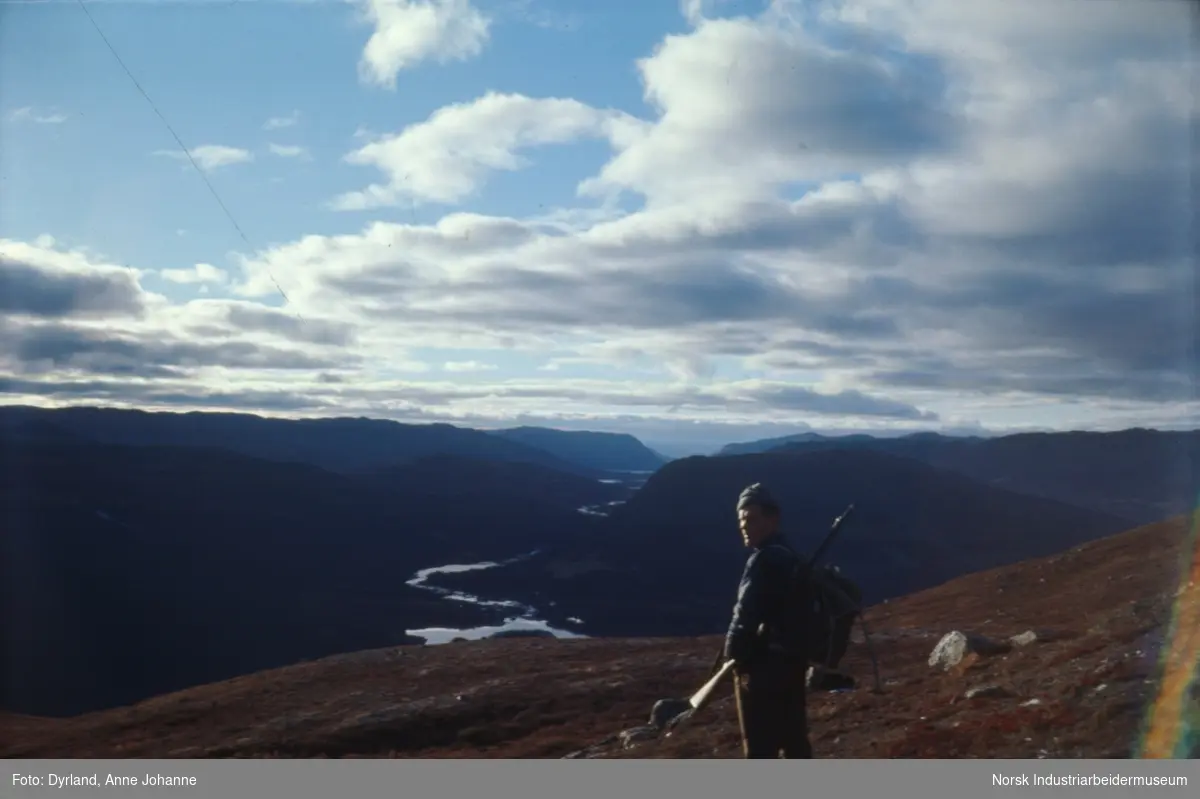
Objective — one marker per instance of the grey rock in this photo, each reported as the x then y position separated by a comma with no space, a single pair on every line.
1024,639
956,645
1040,636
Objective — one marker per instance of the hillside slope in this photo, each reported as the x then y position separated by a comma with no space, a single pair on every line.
667,562
129,571
1140,475
1081,693
615,452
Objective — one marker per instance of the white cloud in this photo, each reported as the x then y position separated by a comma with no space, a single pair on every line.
408,32
446,158
975,210
200,273
276,123
211,156
692,10
289,151
30,114
468,366
42,280
696,11
68,321
747,107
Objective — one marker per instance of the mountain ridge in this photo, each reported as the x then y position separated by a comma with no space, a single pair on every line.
344,444
1139,474
610,452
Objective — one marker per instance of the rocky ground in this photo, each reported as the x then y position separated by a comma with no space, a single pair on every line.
1079,686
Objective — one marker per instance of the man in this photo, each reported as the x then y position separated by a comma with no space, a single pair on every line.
766,637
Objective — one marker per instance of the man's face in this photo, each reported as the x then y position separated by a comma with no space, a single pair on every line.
755,524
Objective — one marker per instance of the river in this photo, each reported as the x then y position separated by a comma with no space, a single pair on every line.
524,618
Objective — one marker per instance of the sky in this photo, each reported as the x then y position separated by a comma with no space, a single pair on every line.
697,222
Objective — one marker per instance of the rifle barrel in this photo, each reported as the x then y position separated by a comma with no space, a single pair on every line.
837,525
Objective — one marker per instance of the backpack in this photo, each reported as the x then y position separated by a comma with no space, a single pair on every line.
835,604
830,602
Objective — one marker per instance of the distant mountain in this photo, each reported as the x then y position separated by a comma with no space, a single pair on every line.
1142,476
667,562
129,571
616,452
37,430
769,444
347,445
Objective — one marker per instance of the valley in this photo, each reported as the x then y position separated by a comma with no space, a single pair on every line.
136,569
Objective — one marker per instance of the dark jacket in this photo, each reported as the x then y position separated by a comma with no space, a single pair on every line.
767,596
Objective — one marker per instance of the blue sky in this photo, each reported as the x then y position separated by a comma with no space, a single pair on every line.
220,72
694,221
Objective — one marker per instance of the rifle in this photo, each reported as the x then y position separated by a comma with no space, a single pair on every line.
837,525
817,553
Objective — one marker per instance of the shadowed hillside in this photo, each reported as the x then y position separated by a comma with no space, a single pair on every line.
1139,475
1078,690
674,546
613,452
129,571
449,478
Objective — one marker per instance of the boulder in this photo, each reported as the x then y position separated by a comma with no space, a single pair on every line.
956,645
